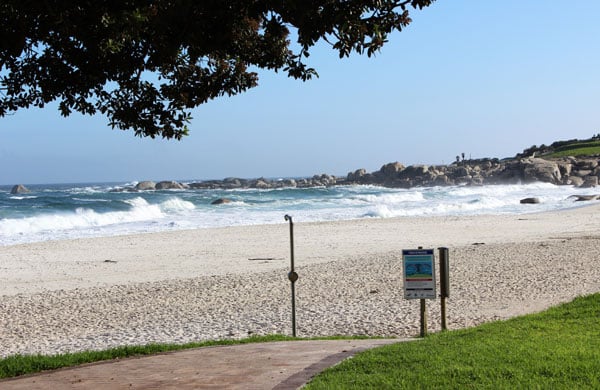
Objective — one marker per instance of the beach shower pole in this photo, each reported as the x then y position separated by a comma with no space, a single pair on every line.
444,283
423,310
292,275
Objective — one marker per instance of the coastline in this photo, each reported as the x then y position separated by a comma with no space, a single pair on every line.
72,213
125,259
231,282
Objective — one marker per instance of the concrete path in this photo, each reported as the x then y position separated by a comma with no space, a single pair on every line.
277,365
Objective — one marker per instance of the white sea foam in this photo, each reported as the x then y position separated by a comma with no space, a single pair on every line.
78,222
95,211
92,200
175,205
86,190
381,211
389,198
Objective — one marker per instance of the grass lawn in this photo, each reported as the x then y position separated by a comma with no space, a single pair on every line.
585,151
583,148
555,349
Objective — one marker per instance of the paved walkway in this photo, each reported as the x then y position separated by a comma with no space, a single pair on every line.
277,365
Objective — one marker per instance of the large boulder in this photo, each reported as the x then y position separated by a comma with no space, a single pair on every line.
486,165
583,198
145,185
505,172
221,201
303,183
461,171
529,201
414,171
565,167
538,169
261,184
391,169
19,189
232,183
586,164
590,181
169,185
575,181
289,183
582,172
442,180
323,180
356,175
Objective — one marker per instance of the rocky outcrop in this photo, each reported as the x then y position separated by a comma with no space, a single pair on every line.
323,180
151,186
538,169
170,185
357,176
578,172
570,171
530,201
392,168
583,198
145,186
589,181
221,201
19,189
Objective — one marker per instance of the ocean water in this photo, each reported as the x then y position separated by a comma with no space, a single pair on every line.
55,212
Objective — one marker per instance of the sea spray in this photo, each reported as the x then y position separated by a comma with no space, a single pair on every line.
54,212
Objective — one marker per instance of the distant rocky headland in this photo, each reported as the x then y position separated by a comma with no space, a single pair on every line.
572,162
579,172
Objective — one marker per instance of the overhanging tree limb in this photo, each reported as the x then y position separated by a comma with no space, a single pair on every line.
93,56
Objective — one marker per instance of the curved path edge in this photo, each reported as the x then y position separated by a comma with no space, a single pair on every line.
275,365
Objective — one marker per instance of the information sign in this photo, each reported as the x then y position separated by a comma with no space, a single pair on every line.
419,273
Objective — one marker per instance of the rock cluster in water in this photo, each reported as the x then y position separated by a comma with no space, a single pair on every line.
19,189
579,172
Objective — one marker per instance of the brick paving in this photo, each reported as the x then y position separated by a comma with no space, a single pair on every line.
277,365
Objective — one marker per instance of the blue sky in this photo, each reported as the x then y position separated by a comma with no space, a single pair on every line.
487,78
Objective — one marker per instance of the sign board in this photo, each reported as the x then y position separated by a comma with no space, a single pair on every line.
419,273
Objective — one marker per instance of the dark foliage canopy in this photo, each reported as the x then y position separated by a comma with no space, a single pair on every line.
146,64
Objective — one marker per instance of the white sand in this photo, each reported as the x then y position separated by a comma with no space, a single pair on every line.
201,284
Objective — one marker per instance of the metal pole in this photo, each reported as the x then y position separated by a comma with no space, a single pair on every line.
289,218
423,318
444,284
443,313
292,275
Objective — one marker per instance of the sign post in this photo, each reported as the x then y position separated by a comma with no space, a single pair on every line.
292,275
444,283
419,279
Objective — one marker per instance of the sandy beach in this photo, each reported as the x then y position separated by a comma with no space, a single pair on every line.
203,284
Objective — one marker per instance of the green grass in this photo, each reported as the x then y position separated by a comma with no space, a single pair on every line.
17,365
586,148
576,145
556,349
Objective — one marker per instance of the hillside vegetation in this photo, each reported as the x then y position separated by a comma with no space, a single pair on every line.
574,147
